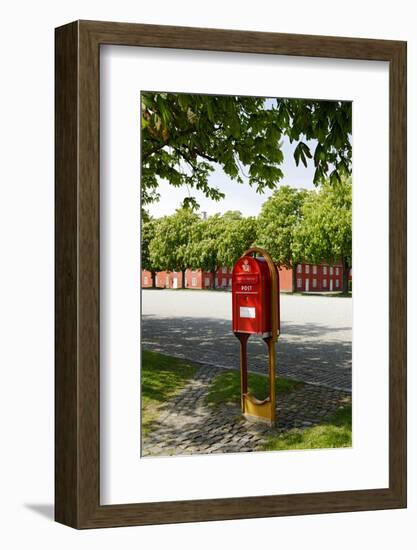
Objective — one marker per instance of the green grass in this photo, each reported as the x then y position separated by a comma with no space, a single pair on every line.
162,377
333,433
225,388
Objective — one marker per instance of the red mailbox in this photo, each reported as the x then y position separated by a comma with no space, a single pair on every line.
255,310
252,289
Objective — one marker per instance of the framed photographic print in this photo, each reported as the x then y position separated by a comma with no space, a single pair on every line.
230,274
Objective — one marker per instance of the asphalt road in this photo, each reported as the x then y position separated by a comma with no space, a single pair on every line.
315,343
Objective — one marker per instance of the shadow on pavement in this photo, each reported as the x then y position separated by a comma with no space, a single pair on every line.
310,352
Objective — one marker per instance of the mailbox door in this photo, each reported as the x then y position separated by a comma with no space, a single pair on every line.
251,286
247,296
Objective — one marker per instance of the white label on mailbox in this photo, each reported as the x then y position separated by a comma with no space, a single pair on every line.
247,312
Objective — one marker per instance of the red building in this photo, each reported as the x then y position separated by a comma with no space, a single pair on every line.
163,279
224,278
194,279
146,279
309,278
168,279
198,279
313,278
319,278
285,279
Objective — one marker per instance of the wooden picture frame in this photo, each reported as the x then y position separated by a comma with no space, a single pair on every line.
77,374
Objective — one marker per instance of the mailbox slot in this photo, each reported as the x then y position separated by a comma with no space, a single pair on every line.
247,279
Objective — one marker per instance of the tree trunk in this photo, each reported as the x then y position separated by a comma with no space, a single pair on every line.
294,277
153,277
183,278
345,283
213,281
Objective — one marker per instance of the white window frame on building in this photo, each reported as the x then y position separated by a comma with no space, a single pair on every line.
299,282
324,283
314,270
307,269
337,271
193,281
331,270
325,270
314,283
299,268
337,283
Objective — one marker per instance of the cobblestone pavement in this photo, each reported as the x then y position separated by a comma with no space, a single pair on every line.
315,345
187,425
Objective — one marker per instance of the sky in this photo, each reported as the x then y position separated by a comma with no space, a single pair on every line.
240,197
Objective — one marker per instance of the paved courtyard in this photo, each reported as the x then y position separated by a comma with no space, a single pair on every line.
187,425
315,345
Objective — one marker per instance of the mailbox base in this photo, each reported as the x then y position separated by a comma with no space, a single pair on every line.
256,410
253,408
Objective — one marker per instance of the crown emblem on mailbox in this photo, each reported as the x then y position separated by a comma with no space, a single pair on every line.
246,266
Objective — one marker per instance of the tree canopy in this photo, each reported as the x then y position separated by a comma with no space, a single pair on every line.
184,136
238,235
203,248
277,221
168,250
325,231
148,227
183,240
294,225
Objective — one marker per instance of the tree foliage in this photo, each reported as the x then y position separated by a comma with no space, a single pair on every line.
203,248
168,249
183,240
325,232
238,236
148,227
184,136
277,221
220,240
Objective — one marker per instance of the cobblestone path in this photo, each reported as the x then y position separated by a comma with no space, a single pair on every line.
187,425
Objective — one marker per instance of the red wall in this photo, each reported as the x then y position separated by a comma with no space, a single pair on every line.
146,279
285,279
319,278
224,278
310,278
160,279
194,279
168,279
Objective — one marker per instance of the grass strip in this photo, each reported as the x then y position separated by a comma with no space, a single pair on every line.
335,432
225,388
162,377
